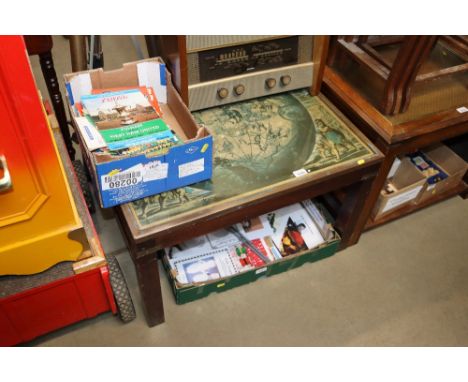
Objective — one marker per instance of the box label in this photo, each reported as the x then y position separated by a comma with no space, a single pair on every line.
191,168
155,170
402,198
462,109
127,178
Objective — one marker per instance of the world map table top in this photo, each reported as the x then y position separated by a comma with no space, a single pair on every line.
259,144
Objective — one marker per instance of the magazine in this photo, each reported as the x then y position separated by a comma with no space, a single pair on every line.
117,109
294,230
194,267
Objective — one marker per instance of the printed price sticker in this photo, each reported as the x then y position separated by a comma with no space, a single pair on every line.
300,172
261,270
462,109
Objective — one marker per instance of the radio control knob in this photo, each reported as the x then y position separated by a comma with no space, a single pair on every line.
270,83
223,93
239,89
285,80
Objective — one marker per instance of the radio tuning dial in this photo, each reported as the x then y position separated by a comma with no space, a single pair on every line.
285,80
239,89
270,83
223,93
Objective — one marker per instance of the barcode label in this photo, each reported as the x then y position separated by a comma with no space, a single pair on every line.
121,180
122,177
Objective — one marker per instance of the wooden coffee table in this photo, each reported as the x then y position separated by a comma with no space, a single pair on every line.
269,153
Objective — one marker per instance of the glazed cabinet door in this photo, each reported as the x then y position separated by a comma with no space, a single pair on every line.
39,225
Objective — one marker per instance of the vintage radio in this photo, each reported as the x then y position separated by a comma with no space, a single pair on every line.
215,70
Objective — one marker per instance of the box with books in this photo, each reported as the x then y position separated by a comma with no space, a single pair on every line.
260,247
137,135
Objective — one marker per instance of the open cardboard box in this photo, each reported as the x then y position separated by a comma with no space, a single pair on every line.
185,293
408,183
180,166
449,162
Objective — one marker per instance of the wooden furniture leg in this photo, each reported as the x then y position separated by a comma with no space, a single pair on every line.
464,194
352,216
50,76
147,271
78,53
413,53
378,183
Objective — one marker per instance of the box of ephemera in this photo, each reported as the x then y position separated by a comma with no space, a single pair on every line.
256,248
125,174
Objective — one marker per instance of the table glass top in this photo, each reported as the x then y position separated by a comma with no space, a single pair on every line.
258,143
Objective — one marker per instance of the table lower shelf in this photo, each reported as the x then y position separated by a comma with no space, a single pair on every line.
410,208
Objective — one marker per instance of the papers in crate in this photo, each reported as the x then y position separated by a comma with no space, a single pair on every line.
281,233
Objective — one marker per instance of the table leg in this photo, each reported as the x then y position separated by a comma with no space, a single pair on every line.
352,217
50,76
373,194
464,194
147,271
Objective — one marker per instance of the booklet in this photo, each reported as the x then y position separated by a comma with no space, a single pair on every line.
294,230
117,109
193,267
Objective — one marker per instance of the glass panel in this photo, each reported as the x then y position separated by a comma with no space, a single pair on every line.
427,97
259,143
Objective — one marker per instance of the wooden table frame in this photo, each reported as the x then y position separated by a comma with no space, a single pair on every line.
392,140
400,75
350,220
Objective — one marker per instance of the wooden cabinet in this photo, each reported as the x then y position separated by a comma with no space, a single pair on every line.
39,224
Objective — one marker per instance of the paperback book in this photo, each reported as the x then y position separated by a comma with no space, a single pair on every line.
117,109
293,230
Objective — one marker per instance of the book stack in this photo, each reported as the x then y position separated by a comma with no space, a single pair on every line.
251,244
122,122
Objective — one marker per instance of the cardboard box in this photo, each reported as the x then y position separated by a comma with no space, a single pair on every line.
450,163
186,293
182,165
407,183
395,165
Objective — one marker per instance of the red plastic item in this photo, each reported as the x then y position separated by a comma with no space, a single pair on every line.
27,315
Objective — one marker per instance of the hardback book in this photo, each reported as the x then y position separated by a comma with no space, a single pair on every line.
134,131
162,136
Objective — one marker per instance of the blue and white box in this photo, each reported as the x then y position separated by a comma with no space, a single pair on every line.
135,177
